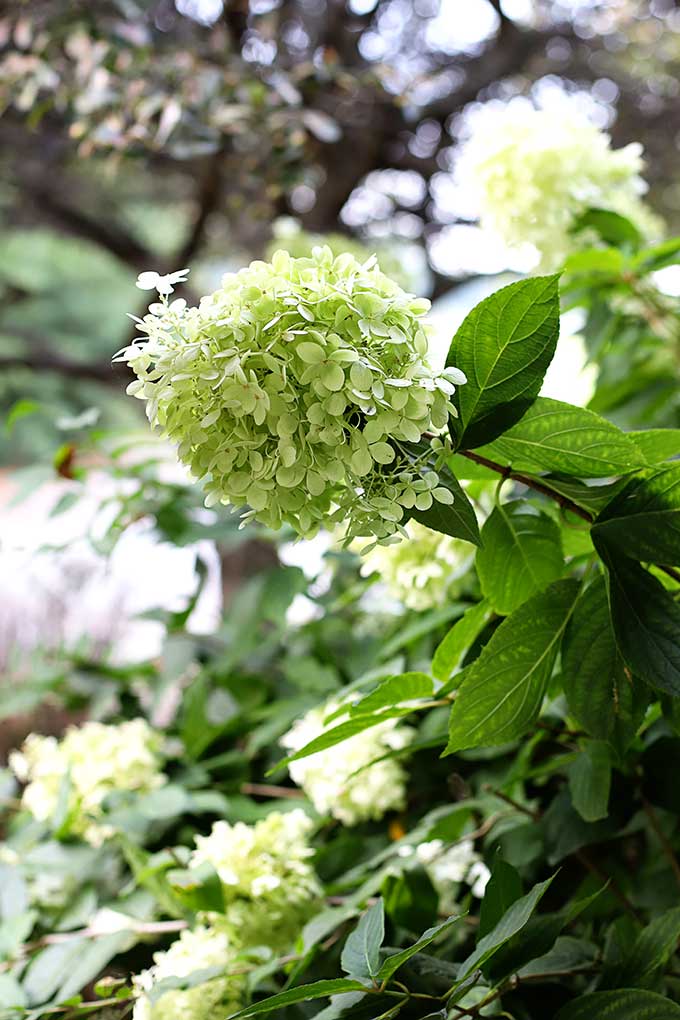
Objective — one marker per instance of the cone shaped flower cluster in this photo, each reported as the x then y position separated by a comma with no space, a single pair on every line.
192,956
534,172
269,890
331,778
269,885
292,389
422,572
88,763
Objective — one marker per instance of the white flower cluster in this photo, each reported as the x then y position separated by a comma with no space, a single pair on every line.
449,866
269,889
292,389
94,760
421,572
268,882
328,778
194,953
534,171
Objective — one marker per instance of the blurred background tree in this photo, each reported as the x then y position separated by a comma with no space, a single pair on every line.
163,134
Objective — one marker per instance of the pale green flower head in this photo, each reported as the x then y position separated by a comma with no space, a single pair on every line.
90,762
292,389
194,954
421,573
331,778
535,171
269,885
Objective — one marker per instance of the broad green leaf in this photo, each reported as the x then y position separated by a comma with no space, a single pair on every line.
395,690
612,227
504,346
521,554
593,262
592,498
361,953
590,781
646,621
393,963
502,890
599,694
512,921
643,521
652,950
503,689
665,254
567,954
343,731
554,436
303,993
451,650
624,1004
657,445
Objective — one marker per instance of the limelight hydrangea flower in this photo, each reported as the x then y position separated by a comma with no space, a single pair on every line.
327,776
94,759
269,885
422,572
292,388
202,949
448,866
534,171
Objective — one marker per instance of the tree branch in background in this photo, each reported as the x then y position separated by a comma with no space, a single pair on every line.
104,233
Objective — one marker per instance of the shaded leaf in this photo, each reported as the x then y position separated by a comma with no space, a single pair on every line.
521,554
451,650
625,1004
503,689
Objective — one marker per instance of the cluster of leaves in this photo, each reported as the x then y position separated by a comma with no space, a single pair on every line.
544,704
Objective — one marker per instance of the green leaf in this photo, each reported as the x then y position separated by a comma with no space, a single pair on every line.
590,781
303,993
504,346
393,963
665,254
599,694
512,921
554,436
611,227
361,953
521,554
450,651
643,520
411,900
646,621
625,1004
502,890
653,948
657,445
343,731
503,689
394,690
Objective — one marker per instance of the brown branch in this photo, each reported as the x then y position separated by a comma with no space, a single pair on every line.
662,837
112,236
101,372
531,483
